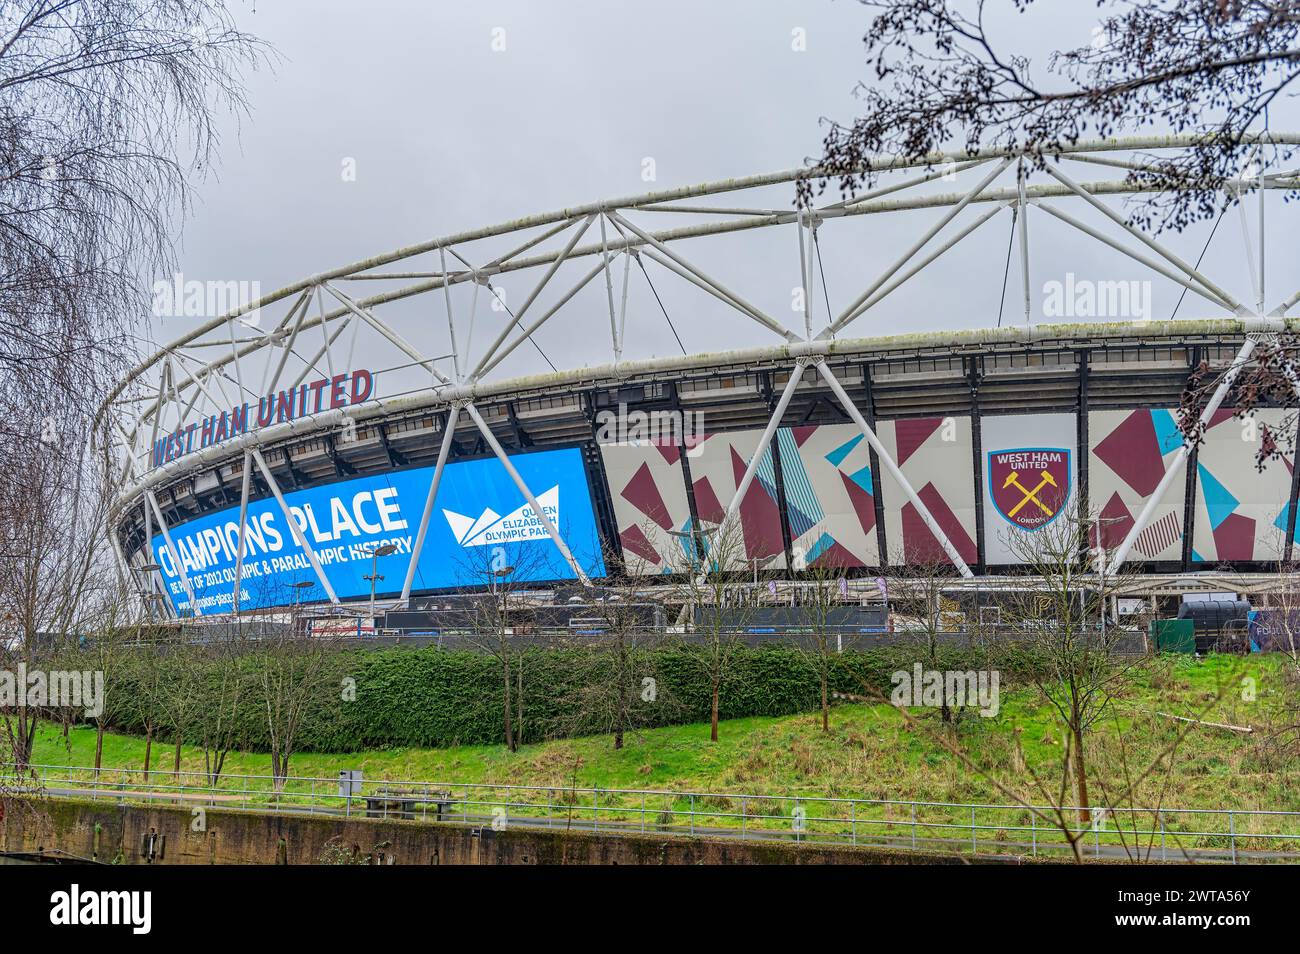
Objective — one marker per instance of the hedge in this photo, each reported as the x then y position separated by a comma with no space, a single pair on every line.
433,698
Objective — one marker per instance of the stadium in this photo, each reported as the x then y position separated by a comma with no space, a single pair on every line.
323,446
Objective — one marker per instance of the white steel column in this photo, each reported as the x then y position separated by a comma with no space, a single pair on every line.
449,430
157,585
1175,468
846,402
125,577
174,554
298,533
609,292
1021,176
451,322
551,531
768,432
243,531
803,273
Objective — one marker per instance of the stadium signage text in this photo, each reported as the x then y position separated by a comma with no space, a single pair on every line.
323,394
491,529
347,521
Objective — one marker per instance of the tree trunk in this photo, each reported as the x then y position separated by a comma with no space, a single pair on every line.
1081,775
713,722
510,734
826,708
176,765
23,743
279,769
99,746
148,750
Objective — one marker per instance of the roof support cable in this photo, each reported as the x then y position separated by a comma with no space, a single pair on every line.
817,246
1197,266
515,321
654,292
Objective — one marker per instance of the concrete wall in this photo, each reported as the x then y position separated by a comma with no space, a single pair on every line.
109,833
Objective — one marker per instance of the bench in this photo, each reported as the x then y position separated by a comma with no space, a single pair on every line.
402,803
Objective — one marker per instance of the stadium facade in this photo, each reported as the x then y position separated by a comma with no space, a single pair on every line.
282,471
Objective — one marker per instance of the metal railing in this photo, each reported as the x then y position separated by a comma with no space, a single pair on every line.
1141,834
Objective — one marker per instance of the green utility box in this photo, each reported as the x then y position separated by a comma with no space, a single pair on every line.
1174,635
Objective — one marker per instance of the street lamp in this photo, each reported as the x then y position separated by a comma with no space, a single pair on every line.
501,575
150,596
298,589
698,535
375,554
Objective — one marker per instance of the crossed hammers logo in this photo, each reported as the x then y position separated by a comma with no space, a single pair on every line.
1013,480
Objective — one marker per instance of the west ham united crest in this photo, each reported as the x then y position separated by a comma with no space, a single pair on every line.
1029,486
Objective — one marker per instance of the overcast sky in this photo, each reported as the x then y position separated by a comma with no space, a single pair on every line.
447,133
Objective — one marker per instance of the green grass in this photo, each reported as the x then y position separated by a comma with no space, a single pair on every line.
870,751
872,758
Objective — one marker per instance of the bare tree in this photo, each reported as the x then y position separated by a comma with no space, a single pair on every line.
109,115
925,616
1057,607
56,580
941,76
619,687
290,667
717,608
225,685
820,592
1136,781
180,699
111,642
1268,378
494,621
147,675
1063,615
291,672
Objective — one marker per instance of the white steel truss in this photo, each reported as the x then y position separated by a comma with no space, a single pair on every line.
189,376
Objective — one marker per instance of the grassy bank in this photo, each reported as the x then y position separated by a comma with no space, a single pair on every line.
870,752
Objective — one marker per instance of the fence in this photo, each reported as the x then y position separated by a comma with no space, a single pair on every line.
1155,834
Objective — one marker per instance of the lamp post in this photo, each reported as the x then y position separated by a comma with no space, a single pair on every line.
698,535
501,575
375,554
512,738
298,588
150,596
